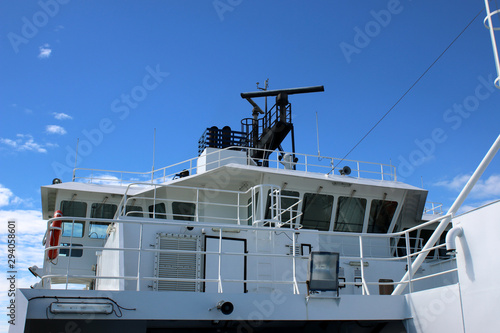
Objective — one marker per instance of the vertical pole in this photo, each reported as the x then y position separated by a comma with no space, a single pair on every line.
139,260
363,281
408,258
294,269
76,157
219,289
154,148
493,41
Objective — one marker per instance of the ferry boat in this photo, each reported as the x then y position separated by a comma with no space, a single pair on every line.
246,237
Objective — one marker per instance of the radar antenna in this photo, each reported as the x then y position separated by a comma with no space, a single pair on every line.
267,133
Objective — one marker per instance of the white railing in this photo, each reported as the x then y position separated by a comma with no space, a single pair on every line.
292,234
433,208
306,163
207,197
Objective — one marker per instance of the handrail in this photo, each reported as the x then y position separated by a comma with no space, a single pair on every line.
359,168
291,232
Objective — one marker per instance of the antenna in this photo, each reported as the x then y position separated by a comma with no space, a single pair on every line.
266,85
317,136
76,157
154,148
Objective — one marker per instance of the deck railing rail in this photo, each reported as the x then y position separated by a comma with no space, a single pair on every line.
305,162
272,227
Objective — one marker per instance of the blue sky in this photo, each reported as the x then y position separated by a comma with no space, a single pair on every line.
110,72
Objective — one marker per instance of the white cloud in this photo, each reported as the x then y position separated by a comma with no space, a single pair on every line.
24,142
484,188
456,184
7,197
61,116
28,222
104,179
45,51
55,129
29,231
474,205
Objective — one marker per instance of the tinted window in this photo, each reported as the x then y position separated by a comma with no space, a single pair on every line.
183,210
250,208
350,214
288,198
134,211
77,228
104,211
381,214
73,252
73,209
317,211
158,211
101,210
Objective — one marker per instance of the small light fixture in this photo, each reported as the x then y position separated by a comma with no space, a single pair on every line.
56,181
323,271
34,270
81,308
225,307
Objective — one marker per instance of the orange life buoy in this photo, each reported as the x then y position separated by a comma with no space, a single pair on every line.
54,236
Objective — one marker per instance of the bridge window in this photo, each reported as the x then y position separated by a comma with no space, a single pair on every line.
104,211
381,214
72,252
73,209
250,216
317,211
158,211
288,199
183,211
350,214
134,211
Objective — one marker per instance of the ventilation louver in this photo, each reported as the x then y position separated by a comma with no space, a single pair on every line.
177,265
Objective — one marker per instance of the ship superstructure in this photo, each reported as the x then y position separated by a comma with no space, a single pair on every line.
247,237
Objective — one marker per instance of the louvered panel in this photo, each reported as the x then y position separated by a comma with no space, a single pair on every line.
177,265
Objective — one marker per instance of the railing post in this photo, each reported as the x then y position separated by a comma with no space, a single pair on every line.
295,285
139,259
238,209
197,205
69,250
408,259
219,289
363,281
